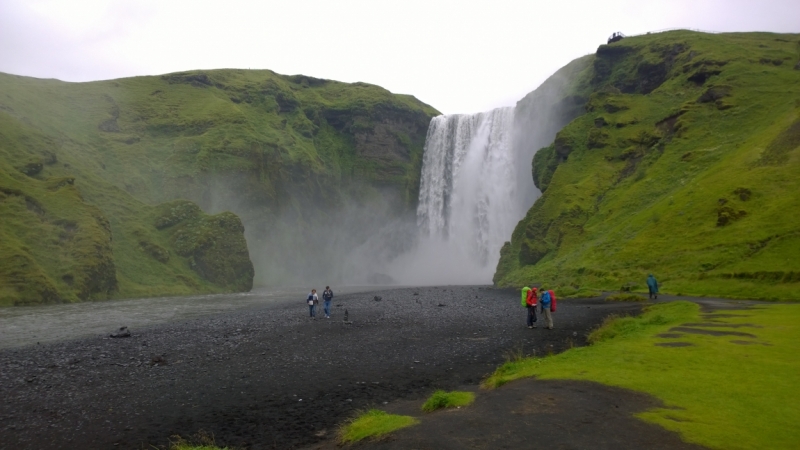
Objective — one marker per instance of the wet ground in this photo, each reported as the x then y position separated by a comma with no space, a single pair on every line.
266,375
27,325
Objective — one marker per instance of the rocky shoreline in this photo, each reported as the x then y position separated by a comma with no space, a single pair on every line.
271,377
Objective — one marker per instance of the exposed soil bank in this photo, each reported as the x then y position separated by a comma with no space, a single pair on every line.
270,377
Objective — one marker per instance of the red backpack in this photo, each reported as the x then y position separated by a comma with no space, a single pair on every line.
552,301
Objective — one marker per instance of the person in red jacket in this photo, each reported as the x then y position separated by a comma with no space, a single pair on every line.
530,302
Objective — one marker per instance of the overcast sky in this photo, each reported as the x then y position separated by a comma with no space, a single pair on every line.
458,56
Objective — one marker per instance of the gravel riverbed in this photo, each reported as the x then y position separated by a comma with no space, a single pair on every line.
270,377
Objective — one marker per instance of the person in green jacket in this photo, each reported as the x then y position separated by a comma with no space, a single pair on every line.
652,286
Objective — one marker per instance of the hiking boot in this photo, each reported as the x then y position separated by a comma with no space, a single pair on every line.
530,328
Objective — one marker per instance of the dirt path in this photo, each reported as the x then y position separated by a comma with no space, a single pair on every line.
271,377
533,413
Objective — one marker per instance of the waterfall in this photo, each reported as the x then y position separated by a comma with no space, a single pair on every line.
474,189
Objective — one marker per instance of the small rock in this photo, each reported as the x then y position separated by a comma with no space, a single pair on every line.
122,333
377,298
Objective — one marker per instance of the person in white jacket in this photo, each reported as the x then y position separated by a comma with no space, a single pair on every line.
312,301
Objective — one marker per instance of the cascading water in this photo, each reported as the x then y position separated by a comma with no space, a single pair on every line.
474,189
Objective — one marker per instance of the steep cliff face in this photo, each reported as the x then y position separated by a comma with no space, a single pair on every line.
671,167
303,162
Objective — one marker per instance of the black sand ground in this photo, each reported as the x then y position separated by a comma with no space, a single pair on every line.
273,378
530,413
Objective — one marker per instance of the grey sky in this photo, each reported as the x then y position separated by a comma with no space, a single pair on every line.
458,56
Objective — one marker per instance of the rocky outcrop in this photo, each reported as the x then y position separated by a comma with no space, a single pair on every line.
214,246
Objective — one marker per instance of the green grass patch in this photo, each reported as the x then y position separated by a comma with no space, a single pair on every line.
625,298
725,392
373,423
441,399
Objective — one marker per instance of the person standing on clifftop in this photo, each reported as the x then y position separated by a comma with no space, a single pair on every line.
327,296
652,286
312,301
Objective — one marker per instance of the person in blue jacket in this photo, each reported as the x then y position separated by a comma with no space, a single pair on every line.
327,296
652,286
545,302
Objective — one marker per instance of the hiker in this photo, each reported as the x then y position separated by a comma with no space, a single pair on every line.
652,286
530,302
327,296
547,306
312,301
524,301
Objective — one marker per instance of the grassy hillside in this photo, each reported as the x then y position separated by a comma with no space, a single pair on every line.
683,163
85,168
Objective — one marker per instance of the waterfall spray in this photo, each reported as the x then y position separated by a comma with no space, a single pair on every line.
472,195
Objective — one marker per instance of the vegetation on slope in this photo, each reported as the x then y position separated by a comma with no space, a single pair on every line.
711,385
682,164
83,167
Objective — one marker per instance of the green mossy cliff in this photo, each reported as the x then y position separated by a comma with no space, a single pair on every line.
103,185
682,162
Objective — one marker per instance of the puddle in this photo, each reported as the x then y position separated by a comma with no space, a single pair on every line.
721,325
674,344
711,332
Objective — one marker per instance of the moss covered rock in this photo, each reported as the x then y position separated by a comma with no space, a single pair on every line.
214,246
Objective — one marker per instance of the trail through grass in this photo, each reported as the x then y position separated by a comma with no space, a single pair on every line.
728,392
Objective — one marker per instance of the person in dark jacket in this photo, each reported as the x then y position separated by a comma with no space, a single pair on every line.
327,296
652,286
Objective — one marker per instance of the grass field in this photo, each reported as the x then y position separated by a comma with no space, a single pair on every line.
726,392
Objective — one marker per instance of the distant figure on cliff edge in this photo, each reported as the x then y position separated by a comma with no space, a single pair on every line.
312,301
327,296
652,286
548,306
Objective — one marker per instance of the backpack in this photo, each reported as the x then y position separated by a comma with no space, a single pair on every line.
531,299
552,301
310,299
525,291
